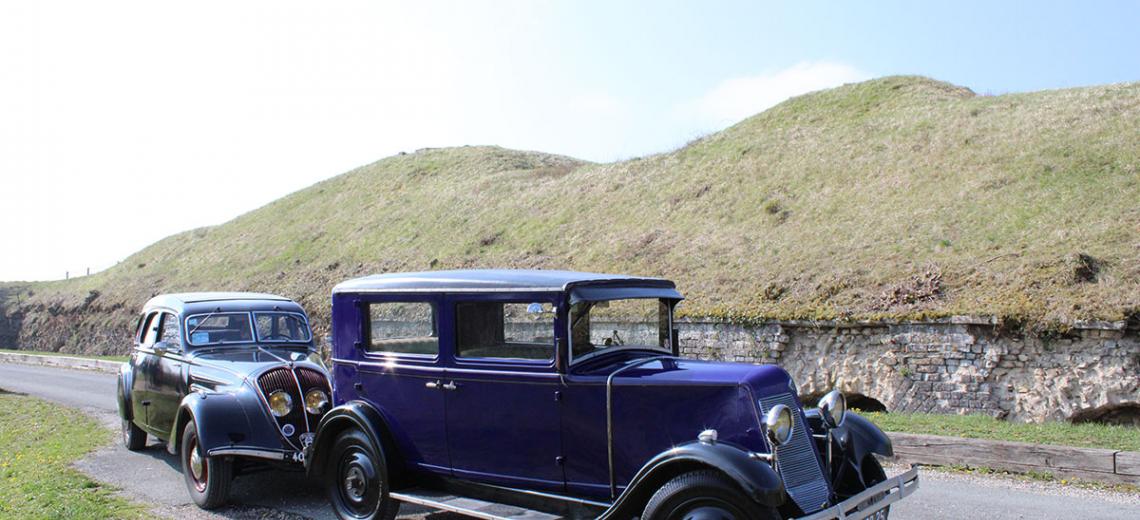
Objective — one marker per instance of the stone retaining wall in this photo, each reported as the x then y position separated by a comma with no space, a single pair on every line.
957,366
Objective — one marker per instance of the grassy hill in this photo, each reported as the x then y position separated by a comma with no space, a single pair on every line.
900,197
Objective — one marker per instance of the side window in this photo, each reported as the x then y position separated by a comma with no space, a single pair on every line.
170,333
403,328
505,330
150,330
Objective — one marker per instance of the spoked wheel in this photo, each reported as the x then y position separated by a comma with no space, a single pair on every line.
207,478
704,495
357,479
134,438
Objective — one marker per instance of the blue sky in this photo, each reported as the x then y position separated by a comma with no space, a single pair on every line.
102,104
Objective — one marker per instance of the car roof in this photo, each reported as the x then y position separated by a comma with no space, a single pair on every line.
227,301
491,280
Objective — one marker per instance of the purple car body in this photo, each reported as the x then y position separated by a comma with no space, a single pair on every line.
569,415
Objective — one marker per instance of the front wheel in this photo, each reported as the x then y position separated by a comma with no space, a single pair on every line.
207,478
704,495
356,478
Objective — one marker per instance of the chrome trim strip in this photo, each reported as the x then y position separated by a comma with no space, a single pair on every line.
259,453
895,488
610,414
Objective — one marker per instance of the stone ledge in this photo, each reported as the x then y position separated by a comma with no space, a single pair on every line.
1118,467
78,363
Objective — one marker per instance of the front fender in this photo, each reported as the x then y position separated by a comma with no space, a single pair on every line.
756,478
225,420
353,414
866,438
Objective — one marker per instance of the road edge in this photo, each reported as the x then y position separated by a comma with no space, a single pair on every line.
78,363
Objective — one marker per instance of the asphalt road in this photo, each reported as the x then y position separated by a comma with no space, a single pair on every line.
153,476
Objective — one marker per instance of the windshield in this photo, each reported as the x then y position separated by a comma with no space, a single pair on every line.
603,326
219,327
281,326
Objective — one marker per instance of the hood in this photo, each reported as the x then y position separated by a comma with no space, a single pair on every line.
763,379
243,361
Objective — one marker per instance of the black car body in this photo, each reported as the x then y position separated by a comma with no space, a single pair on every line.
228,380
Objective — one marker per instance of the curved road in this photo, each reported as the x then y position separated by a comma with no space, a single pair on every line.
154,477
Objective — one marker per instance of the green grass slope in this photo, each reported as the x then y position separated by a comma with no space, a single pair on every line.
900,197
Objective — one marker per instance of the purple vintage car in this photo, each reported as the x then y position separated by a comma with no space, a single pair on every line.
548,394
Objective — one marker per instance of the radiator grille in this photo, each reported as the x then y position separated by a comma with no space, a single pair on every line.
281,378
311,379
798,464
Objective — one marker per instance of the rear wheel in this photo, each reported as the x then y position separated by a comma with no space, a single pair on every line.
207,478
134,438
356,478
704,495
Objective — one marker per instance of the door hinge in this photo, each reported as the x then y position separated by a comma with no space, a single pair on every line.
557,395
560,460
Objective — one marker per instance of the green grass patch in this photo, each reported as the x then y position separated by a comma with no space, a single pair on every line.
65,354
1084,435
38,443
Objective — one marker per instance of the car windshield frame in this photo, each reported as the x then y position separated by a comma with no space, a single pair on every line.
304,320
663,303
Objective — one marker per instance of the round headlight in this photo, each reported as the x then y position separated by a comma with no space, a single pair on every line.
316,401
833,408
778,422
280,404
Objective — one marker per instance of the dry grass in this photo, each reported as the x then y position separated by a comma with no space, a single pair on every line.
899,197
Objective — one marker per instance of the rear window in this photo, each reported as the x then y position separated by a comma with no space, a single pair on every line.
219,328
403,328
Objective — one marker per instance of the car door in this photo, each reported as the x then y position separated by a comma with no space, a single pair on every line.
142,363
167,378
502,391
400,373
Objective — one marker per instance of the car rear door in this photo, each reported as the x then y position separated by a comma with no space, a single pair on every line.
168,380
142,363
502,391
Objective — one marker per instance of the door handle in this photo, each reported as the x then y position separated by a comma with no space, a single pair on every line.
451,386
432,384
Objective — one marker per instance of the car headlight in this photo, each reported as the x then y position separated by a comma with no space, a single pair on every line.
778,422
280,404
316,401
833,408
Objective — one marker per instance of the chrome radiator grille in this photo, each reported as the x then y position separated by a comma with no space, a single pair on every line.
797,462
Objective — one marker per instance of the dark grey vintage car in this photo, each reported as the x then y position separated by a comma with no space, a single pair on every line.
230,381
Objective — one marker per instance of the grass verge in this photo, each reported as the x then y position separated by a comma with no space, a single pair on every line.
1085,435
64,354
38,443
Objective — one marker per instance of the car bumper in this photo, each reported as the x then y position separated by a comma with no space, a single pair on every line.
258,453
872,500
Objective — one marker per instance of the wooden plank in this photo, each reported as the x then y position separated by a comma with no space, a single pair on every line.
1017,456
1128,463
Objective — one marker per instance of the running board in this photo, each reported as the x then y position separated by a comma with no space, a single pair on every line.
468,506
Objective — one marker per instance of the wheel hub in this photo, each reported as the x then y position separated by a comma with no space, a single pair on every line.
195,462
355,484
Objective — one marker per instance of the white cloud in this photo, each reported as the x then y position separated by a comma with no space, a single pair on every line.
737,98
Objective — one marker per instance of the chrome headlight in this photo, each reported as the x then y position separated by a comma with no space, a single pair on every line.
833,408
778,423
280,403
316,401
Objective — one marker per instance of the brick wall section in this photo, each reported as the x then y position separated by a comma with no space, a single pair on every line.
957,366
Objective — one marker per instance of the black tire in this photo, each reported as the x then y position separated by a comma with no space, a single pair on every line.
207,478
134,439
356,479
704,495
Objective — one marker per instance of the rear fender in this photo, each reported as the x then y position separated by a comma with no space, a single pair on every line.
126,379
353,414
